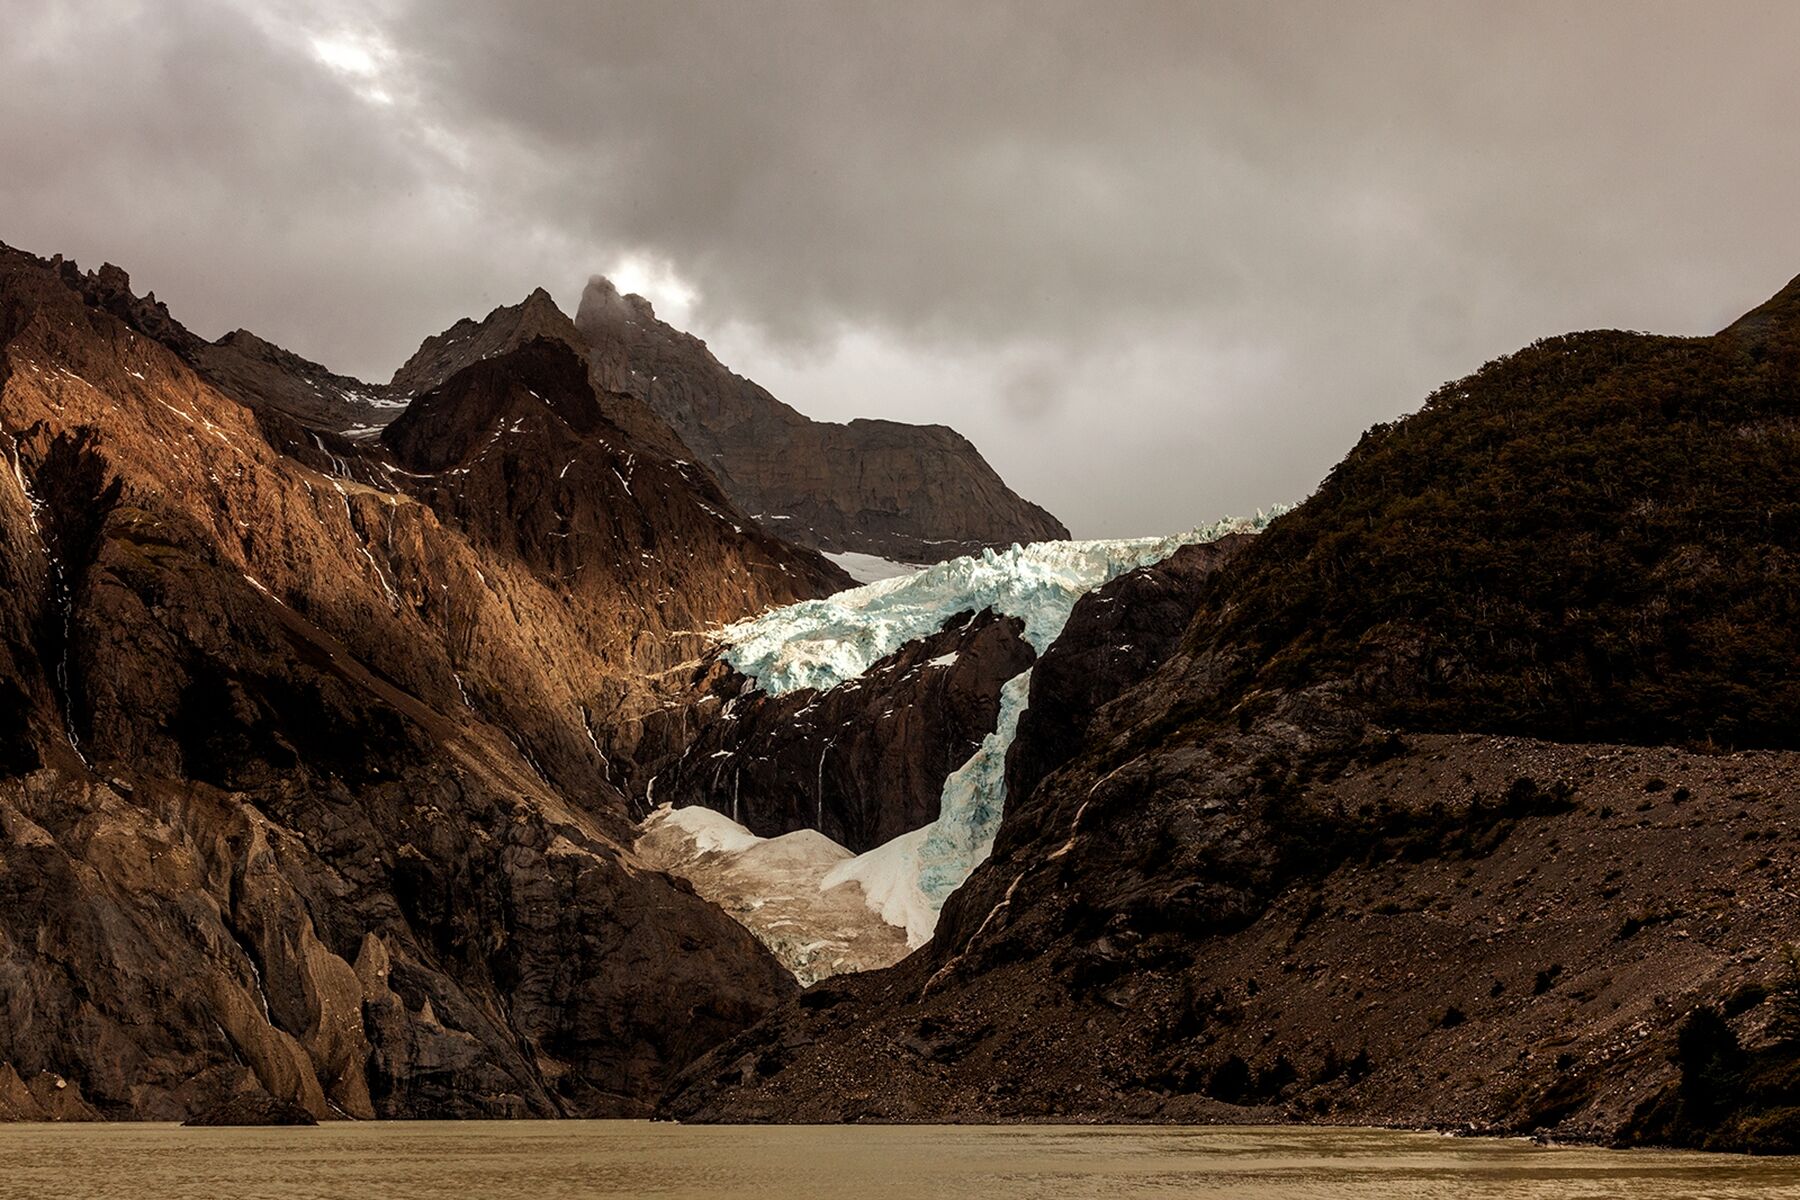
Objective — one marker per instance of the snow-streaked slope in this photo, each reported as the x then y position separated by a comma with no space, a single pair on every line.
774,888
870,568
821,643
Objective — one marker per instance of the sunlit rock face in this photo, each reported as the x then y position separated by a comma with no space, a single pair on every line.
307,743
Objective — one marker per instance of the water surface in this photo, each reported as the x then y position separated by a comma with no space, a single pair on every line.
548,1160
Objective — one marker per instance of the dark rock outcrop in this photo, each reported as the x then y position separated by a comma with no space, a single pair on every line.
254,1107
914,493
863,762
1116,636
305,784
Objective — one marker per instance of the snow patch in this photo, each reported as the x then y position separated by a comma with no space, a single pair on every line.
867,568
708,830
771,886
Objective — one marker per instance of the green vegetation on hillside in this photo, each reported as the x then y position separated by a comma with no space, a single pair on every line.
1596,538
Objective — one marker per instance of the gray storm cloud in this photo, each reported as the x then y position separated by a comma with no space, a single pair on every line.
1158,261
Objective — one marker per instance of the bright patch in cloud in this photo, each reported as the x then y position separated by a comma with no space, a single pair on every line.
360,59
658,283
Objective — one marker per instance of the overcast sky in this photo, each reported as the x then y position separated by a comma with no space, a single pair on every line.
1159,261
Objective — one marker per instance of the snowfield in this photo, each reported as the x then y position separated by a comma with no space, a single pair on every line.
823,643
870,568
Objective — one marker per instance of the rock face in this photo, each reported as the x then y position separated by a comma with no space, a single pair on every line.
1117,635
862,762
46,1097
304,757
911,493
253,1108
1307,867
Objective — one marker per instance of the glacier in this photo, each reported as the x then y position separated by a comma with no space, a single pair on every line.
824,643
907,879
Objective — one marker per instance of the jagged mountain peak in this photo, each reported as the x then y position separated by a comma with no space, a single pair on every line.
109,289
914,493
468,341
601,301
543,373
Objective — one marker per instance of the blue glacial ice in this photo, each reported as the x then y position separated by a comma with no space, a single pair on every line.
823,643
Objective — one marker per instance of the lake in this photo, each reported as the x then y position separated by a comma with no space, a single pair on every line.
547,1160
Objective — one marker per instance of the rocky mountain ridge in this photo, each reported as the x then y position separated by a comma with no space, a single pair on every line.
306,777
909,493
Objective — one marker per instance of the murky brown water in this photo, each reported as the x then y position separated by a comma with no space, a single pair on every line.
554,1159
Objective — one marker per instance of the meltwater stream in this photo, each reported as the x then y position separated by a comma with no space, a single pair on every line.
553,1160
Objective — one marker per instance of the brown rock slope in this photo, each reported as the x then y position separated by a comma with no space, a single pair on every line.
303,779
278,384
914,493
265,376
1465,798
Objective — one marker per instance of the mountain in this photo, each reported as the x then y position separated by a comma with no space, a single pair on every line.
1458,796
905,493
911,493
306,742
1458,800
